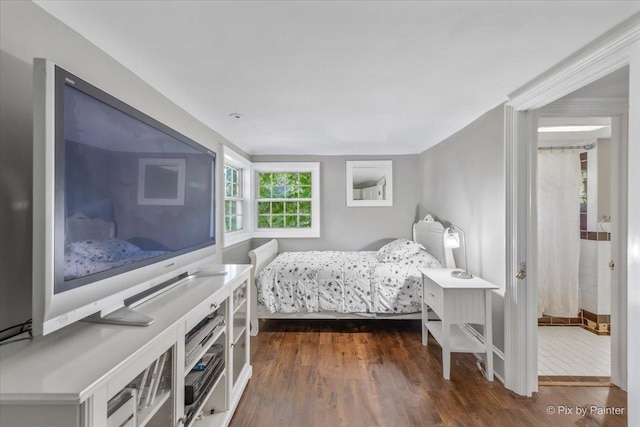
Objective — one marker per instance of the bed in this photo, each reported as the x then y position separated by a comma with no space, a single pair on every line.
346,285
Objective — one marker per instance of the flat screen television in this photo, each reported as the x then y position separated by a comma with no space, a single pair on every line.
121,203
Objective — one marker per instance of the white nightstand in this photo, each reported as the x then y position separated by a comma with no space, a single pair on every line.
456,302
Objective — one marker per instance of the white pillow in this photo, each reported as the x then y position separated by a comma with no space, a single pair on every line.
398,249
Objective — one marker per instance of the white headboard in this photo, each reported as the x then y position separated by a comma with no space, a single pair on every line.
431,235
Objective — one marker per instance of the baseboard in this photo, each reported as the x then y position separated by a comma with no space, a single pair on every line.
497,353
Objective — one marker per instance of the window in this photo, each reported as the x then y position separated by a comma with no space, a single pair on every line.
287,199
238,208
233,202
583,191
284,200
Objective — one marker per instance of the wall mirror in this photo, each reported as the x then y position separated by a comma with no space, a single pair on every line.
161,181
369,183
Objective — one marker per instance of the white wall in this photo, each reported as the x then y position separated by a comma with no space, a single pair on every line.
27,31
588,276
462,182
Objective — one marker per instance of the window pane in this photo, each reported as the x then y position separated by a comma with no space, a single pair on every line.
279,178
305,207
227,173
277,221
265,192
291,221
305,178
228,190
264,179
291,191
264,221
234,175
278,192
305,192
291,207
227,224
305,221
232,208
277,207
292,178
232,223
264,207
239,222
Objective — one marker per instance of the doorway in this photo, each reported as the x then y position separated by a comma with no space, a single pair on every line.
543,98
574,189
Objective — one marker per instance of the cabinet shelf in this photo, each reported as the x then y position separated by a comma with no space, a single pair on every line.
239,306
216,335
145,415
202,403
460,341
237,333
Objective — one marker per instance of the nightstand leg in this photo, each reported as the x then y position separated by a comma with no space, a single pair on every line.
488,334
446,351
425,320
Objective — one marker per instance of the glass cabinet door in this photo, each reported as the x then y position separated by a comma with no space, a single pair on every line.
239,335
148,399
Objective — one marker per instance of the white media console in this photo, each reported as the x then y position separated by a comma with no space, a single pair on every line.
90,375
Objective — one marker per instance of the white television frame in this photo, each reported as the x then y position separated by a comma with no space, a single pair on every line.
54,311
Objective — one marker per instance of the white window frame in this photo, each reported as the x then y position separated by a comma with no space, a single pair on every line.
233,159
314,168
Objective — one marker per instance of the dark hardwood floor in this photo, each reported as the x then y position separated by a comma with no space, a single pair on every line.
377,373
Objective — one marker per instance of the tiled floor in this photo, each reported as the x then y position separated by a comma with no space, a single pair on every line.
573,351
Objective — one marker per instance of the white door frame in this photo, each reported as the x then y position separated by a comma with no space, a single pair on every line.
617,48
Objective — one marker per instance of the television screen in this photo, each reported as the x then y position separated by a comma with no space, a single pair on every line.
129,191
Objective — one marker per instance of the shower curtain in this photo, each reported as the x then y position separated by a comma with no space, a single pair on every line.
558,232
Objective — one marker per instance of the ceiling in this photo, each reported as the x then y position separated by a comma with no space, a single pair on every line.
330,78
554,139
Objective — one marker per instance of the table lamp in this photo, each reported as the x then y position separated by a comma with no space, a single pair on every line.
452,241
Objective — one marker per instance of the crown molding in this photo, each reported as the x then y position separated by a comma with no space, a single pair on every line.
599,58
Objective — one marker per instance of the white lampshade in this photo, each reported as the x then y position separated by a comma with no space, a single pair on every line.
451,240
